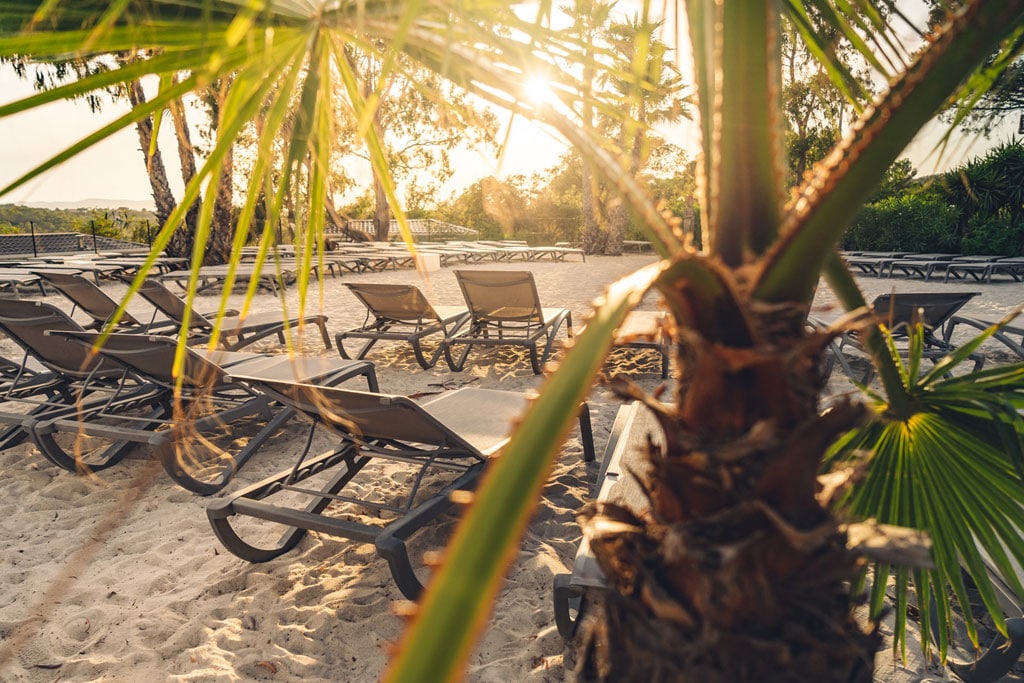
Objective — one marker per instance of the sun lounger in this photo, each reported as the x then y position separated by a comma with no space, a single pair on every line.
1010,336
614,484
255,327
193,431
898,312
445,443
921,265
16,280
983,268
505,310
1013,267
874,263
1002,653
643,330
70,380
401,313
91,300
210,277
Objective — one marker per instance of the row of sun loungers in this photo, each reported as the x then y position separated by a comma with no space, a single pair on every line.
84,412
24,276
928,265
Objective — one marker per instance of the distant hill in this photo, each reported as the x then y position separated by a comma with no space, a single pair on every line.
135,204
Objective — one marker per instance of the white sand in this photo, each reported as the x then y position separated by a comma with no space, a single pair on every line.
120,578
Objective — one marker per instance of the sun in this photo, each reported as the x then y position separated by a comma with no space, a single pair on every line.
538,91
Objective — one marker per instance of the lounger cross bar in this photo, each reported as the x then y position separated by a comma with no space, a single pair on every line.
444,442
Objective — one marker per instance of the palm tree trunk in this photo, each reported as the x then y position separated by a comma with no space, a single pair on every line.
736,572
222,229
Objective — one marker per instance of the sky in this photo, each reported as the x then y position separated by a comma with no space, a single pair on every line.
114,169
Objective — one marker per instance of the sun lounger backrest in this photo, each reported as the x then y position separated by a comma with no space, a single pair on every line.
171,305
370,416
501,294
932,308
394,302
152,356
87,296
27,322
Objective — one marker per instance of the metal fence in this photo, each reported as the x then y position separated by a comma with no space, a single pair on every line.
422,228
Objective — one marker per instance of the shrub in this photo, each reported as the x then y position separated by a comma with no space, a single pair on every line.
993,234
909,222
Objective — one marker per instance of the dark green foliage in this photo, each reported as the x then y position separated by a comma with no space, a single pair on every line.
989,185
921,221
995,234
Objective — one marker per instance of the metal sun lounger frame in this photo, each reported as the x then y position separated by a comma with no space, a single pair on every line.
245,332
898,314
505,310
217,403
401,313
454,432
73,382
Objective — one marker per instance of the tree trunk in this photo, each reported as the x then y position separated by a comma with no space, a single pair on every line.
381,212
183,241
736,572
618,219
222,230
593,241
163,198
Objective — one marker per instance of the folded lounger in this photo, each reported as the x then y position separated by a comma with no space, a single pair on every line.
194,432
445,442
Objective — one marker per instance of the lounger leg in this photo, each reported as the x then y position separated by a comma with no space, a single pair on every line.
586,434
391,542
340,339
45,439
996,662
184,464
249,502
417,350
567,600
456,362
322,324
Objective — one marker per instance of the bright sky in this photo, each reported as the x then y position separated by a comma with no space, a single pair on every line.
114,168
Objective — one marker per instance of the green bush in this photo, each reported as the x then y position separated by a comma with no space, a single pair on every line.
993,234
909,222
